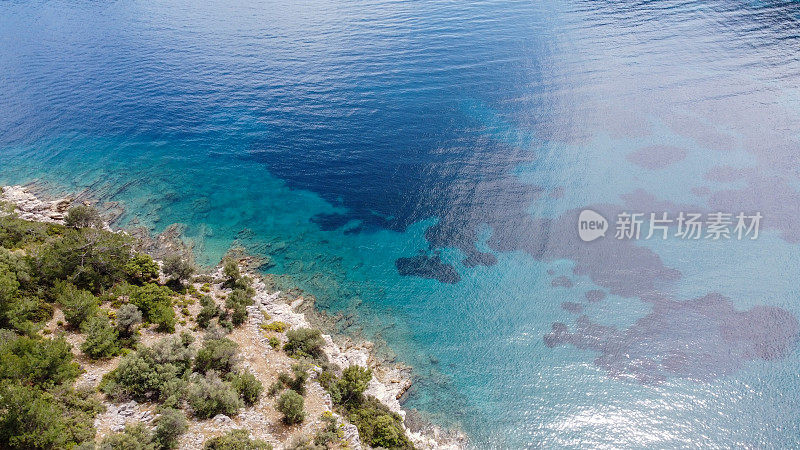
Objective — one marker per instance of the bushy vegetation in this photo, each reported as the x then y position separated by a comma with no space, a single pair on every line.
230,269
331,433
155,303
35,418
211,395
208,310
247,386
141,269
297,380
350,388
157,373
35,361
217,354
277,326
170,425
236,440
101,337
128,319
89,258
304,342
77,305
290,404
170,373
178,268
377,425
237,302
83,216
134,437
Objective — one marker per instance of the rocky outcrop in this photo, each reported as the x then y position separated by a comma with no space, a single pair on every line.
388,384
117,416
30,207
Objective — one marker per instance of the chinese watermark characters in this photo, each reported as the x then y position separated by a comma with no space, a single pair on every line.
689,226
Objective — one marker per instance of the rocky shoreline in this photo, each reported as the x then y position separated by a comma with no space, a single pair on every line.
389,382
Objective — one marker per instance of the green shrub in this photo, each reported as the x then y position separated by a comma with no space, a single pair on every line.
210,395
76,304
20,308
101,337
14,272
274,342
170,425
158,372
128,317
17,233
26,314
178,268
378,426
298,383
155,303
237,302
276,388
83,216
230,269
277,326
36,361
216,354
141,269
304,342
330,433
236,440
387,433
290,404
238,314
326,379
208,310
90,259
248,387
135,437
349,389
31,418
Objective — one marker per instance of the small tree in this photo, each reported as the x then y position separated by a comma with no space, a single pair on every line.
141,269
76,304
208,310
155,302
216,354
134,437
210,395
387,434
178,268
351,386
101,337
170,425
230,269
83,216
248,387
128,317
304,342
291,405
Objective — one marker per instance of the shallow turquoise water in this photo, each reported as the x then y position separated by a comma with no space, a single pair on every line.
341,139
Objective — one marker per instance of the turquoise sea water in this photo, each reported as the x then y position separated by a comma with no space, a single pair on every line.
341,139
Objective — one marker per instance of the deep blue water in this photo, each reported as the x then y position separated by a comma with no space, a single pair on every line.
419,165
